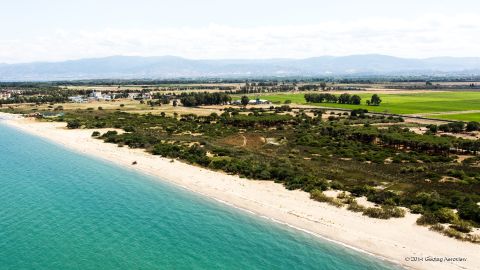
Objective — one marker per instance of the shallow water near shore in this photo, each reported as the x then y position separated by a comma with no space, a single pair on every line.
63,210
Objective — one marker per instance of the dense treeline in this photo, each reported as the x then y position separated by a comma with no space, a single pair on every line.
35,99
329,98
266,87
205,98
454,127
36,95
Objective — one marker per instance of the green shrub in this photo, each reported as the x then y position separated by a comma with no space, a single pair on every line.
450,232
336,185
417,209
73,124
474,238
319,196
95,134
462,226
445,215
385,212
427,218
437,227
375,212
355,207
129,129
395,212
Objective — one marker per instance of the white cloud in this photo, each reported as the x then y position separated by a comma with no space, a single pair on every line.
430,35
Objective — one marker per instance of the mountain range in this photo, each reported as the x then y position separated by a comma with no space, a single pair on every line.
169,67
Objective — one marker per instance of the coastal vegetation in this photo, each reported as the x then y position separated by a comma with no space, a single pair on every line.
394,165
391,166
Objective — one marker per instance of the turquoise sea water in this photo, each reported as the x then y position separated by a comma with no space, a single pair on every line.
62,210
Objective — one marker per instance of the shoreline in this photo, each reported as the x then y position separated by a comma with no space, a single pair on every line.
391,240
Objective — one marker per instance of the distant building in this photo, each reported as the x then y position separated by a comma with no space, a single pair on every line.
95,95
259,101
146,96
107,97
133,95
139,96
77,99
5,95
251,102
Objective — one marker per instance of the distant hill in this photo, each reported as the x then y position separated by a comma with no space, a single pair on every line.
166,67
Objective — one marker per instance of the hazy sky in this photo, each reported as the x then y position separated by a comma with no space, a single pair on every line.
51,30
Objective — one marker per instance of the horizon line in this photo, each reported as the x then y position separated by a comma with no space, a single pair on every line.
231,59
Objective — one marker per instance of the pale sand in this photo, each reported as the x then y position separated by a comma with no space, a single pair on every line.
393,239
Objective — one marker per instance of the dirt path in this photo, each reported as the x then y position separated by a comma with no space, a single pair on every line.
445,113
244,140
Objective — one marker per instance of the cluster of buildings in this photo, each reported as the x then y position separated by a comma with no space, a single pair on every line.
98,96
139,96
5,95
252,102
94,96
8,93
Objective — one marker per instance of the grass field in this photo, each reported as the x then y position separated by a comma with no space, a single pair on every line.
460,116
417,103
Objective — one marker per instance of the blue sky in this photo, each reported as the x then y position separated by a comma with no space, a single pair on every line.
52,30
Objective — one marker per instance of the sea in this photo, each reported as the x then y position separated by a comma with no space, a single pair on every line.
63,210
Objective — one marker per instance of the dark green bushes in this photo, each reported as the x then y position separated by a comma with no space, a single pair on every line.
73,124
385,212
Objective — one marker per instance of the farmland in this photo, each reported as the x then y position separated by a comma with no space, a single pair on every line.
460,116
415,103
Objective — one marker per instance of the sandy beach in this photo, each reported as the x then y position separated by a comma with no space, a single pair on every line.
397,240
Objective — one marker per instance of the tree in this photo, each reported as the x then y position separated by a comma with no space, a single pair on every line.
432,128
344,98
245,100
323,85
175,103
375,100
473,126
356,100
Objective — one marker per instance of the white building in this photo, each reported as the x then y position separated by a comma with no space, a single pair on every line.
77,99
258,101
251,102
5,95
95,95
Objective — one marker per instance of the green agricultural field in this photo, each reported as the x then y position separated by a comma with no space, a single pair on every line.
460,116
415,103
